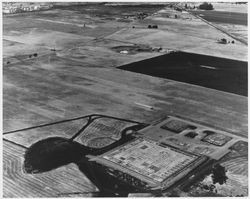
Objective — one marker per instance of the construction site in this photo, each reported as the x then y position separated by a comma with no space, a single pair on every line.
151,97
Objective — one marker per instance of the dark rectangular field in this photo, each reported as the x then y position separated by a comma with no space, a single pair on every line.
207,71
223,17
105,10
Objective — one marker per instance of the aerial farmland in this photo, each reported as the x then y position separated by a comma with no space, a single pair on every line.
94,78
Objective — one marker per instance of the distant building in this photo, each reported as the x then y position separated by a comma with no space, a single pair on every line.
11,7
6,11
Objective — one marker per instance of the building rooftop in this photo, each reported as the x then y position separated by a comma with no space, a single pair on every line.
150,159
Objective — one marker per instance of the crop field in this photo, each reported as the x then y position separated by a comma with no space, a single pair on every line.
17,183
237,166
61,129
17,142
112,9
229,18
223,17
211,72
86,90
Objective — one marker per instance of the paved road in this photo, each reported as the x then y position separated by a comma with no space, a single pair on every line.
223,17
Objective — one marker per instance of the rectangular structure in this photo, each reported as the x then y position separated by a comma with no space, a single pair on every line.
154,164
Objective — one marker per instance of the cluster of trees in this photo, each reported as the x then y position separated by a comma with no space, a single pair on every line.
219,174
35,55
206,6
152,26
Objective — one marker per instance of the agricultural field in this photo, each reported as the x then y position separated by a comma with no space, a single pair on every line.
17,183
224,17
228,17
207,71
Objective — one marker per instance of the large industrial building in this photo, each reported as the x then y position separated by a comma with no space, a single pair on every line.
148,165
163,153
